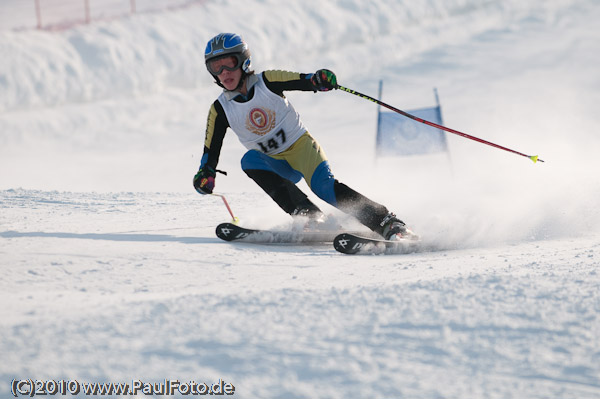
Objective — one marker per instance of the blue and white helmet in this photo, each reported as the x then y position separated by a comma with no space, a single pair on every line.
228,44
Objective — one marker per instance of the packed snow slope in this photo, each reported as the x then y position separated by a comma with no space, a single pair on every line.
111,271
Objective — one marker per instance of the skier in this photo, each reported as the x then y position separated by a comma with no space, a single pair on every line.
280,149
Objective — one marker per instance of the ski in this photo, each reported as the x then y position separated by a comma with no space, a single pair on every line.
349,243
233,232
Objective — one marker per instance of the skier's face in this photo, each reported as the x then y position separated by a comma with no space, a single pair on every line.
229,79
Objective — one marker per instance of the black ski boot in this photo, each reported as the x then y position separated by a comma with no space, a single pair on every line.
391,227
308,217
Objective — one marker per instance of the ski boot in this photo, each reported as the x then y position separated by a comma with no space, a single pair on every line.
392,228
308,219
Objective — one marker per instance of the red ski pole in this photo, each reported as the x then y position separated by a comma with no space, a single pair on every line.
235,220
534,158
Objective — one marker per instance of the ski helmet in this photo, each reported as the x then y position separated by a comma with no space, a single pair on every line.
227,45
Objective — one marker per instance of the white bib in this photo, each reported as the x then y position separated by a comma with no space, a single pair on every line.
267,123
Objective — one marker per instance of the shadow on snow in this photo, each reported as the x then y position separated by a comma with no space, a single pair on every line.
112,237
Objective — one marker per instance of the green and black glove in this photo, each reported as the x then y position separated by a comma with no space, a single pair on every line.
204,181
324,80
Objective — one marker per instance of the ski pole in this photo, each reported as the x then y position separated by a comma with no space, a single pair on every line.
234,219
534,158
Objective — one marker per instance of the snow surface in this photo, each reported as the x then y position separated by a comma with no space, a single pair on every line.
112,272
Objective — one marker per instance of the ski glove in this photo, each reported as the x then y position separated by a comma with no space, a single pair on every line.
204,181
324,80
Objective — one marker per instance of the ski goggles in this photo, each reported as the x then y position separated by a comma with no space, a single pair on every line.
231,62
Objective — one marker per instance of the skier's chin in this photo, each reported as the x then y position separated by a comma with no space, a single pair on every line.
229,83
